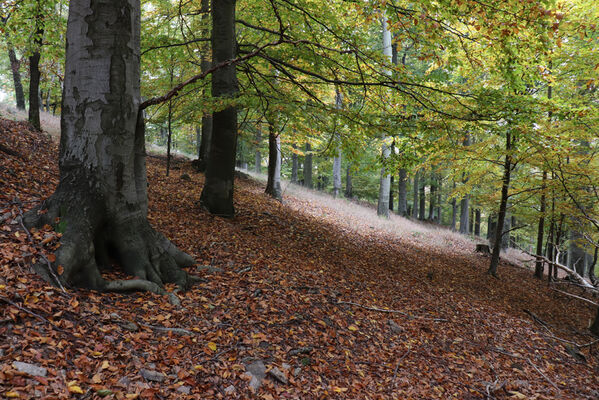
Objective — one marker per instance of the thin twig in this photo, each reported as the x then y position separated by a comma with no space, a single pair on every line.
397,366
576,297
542,374
25,310
383,310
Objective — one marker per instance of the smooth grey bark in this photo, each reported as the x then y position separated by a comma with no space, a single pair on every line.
349,191
101,200
402,193
16,75
507,169
294,165
385,178
337,158
217,195
258,154
415,196
273,184
308,167
507,226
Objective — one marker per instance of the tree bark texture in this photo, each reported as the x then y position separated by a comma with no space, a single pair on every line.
217,195
273,184
308,167
349,191
507,169
422,199
258,154
402,193
415,195
294,165
337,158
16,76
385,179
101,199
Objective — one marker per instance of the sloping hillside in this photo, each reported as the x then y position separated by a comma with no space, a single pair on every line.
314,300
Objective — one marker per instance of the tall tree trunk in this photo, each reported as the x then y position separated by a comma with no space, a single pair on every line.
402,193
169,133
337,159
471,221
432,199
16,75
273,184
349,191
308,167
294,165
465,202
258,154
454,211
101,200
422,199
539,265
415,188
217,196
438,208
477,222
385,178
34,85
507,169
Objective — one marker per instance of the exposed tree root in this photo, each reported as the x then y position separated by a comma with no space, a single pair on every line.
94,239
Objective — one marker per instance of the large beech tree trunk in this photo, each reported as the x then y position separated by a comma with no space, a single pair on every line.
385,179
101,199
217,195
294,165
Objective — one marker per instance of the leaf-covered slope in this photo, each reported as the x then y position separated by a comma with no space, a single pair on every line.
339,309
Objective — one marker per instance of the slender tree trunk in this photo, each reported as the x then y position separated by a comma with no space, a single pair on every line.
402,193
349,192
438,208
308,167
16,75
422,198
432,199
465,202
169,135
502,206
34,84
454,211
273,184
294,165
471,221
337,159
258,154
415,211
385,179
217,196
539,266
101,200
477,222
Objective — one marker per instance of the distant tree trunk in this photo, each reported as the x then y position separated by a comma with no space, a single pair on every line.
507,225
308,167
391,201
385,179
471,221
34,83
217,195
432,199
337,159
349,192
422,199
258,154
477,222
294,165
273,184
438,216
402,193
502,206
415,187
16,75
169,136
465,202
454,211
204,150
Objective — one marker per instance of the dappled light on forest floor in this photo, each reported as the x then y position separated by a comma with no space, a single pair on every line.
313,302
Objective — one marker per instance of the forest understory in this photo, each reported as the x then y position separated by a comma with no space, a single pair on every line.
297,301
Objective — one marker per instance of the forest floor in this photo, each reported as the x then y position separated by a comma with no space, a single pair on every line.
301,298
